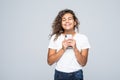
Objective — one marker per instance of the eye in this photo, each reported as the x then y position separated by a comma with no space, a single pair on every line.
70,18
63,19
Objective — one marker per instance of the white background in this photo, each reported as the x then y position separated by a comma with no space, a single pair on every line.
25,26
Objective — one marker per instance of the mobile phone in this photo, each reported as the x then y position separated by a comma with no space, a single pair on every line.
68,36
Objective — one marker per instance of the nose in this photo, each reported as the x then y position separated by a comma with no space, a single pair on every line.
67,20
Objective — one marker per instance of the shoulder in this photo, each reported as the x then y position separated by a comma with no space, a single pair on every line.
80,35
53,36
58,37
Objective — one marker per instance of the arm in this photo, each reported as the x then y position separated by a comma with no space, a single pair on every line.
54,56
81,56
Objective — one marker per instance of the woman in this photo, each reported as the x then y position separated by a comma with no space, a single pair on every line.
67,48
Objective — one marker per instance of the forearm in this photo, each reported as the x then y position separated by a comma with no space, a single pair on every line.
82,60
55,57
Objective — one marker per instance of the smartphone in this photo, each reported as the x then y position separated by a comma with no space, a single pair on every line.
68,36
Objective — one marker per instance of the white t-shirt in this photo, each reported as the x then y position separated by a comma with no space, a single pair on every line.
68,62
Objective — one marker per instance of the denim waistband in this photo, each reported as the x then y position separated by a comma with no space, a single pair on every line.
77,75
70,72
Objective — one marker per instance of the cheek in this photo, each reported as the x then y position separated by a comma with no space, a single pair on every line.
63,23
73,22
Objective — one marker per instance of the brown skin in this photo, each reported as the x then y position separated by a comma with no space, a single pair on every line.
68,24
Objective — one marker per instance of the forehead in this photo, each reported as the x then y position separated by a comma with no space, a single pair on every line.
67,15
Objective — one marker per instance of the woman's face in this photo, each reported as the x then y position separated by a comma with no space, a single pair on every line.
68,22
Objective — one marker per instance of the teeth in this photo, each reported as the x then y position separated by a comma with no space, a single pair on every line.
67,24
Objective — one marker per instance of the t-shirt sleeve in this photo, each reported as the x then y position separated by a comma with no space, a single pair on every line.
52,43
85,43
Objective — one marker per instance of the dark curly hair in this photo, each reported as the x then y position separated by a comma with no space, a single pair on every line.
57,27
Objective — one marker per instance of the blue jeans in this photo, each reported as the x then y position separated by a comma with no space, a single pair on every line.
78,75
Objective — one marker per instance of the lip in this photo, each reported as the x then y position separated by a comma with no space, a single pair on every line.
67,24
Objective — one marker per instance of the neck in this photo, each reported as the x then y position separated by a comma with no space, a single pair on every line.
69,32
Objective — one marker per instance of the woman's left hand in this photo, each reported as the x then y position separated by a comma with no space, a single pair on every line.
72,43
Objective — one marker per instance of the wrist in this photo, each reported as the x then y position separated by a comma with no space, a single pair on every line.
63,48
75,48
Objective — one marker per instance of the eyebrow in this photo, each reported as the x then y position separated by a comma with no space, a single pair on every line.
68,17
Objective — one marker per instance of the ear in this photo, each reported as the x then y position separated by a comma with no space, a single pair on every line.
75,23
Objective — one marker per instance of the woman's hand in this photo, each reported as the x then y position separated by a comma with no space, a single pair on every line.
64,45
72,43
67,43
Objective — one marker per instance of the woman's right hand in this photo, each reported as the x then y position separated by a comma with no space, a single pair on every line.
64,45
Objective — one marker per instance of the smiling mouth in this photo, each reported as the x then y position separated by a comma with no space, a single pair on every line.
67,24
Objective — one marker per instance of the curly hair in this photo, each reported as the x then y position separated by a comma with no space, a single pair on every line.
57,26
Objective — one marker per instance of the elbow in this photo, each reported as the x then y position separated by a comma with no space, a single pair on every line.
83,65
49,63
